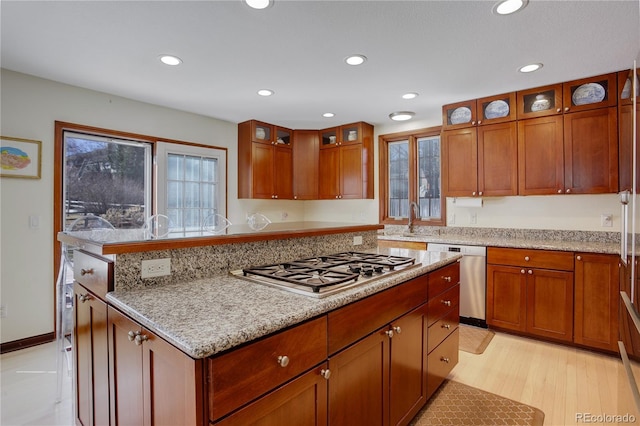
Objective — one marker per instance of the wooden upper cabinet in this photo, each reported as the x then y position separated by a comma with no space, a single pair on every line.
265,161
625,86
498,159
589,93
347,134
459,115
540,156
305,164
539,102
591,151
460,162
496,109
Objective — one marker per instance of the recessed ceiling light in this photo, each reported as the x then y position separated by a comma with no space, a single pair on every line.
328,115
355,59
170,60
265,92
508,7
402,115
530,68
258,4
410,95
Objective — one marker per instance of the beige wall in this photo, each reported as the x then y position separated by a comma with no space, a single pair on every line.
29,108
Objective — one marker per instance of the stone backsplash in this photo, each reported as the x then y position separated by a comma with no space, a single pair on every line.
188,264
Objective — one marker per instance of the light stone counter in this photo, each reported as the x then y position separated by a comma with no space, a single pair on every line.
576,241
211,315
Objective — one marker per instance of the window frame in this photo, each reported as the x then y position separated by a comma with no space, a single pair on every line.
412,137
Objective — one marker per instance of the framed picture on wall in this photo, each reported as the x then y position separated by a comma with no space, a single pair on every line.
20,158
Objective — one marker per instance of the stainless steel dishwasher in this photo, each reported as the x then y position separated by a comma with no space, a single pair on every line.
473,288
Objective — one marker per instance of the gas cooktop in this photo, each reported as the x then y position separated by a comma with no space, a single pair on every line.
325,275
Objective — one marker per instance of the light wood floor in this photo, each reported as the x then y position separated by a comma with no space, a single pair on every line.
559,380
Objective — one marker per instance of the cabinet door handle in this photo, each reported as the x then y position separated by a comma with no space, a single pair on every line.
447,279
568,191
530,272
559,110
578,257
480,193
522,271
283,360
473,193
397,329
559,191
389,333
140,338
566,109
446,302
84,297
132,335
527,258
444,359
446,326
326,373
84,272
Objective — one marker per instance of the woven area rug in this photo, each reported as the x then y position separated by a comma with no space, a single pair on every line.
474,339
455,404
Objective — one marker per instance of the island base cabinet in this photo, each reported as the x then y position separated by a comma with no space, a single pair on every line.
442,360
152,382
91,372
302,402
381,380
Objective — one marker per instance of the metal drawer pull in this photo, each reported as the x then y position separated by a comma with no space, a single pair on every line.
447,279
446,302
283,360
527,258
444,359
84,272
325,373
447,326
84,297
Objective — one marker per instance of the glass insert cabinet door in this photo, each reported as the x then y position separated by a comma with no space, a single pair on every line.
590,93
496,109
459,115
539,102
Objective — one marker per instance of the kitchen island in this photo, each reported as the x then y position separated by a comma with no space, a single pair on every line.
219,349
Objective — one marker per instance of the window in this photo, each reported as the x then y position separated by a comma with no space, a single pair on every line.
410,172
191,185
108,178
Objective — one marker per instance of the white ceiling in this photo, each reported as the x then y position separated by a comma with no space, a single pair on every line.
447,51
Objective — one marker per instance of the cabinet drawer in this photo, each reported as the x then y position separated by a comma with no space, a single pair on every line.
94,273
441,304
441,361
242,375
443,278
439,330
545,259
354,321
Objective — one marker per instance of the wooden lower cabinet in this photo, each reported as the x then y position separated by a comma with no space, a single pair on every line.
527,297
91,372
301,402
152,382
381,380
597,295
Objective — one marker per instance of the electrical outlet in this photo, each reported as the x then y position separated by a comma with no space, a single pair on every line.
357,240
156,267
606,220
3,311
284,215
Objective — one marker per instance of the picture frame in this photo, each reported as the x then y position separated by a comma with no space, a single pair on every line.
20,158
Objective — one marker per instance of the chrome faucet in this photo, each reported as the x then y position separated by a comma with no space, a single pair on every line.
414,211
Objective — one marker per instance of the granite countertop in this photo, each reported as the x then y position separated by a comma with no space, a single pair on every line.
588,246
208,316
